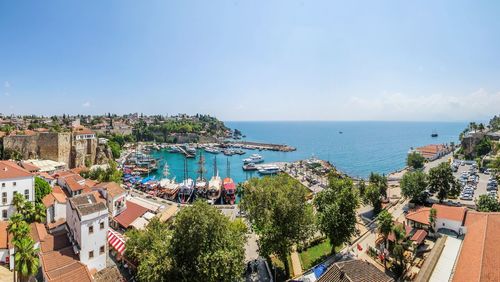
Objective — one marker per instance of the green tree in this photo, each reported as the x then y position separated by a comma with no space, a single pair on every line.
42,189
432,220
413,185
39,213
415,160
215,249
18,228
442,181
486,203
277,208
372,196
399,249
115,149
385,224
483,147
19,202
336,211
380,181
26,258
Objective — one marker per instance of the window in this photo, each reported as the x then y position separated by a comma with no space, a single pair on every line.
4,214
101,250
27,194
4,198
101,225
3,184
91,229
91,254
14,183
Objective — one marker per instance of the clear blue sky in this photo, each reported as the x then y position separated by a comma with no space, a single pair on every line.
253,60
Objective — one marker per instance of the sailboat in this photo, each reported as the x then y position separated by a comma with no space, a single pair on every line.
186,189
214,185
168,187
201,182
229,187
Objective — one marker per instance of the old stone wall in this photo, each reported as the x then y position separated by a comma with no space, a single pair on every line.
26,145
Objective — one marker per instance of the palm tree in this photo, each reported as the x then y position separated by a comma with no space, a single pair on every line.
432,220
19,202
26,258
28,211
385,225
19,231
14,221
40,213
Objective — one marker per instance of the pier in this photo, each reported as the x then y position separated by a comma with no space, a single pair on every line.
188,155
260,146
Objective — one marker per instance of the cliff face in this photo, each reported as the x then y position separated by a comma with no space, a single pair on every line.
103,154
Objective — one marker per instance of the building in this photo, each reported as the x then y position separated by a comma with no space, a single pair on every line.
447,217
59,261
87,220
14,179
73,183
6,246
128,216
115,196
433,151
76,148
479,258
55,204
354,270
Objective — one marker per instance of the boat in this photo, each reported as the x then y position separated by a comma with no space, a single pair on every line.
201,183
212,150
186,191
168,189
269,170
214,185
434,134
190,150
340,132
228,152
173,149
186,188
249,167
229,187
239,152
254,158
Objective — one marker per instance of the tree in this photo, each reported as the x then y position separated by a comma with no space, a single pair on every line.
415,160
399,249
19,202
39,213
336,211
442,181
277,208
385,223
362,188
413,185
483,147
115,149
215,250
201,245
42,189
380,181
26,258
432,219
18,228
486,203
372,196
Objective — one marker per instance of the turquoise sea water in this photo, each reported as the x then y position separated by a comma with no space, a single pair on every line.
363,147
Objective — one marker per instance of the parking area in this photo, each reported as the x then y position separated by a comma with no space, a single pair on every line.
474,183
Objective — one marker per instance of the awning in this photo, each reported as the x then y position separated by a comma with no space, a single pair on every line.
116,241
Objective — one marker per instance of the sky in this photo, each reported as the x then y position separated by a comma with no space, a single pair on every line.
253,60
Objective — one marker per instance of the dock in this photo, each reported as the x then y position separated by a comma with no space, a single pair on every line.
188,155
261,146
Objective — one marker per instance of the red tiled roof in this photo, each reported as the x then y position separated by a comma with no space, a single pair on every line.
72,184
56,195
63,266
113,189
422,214
130,214
10,169
419,236
4,234
38,232
479,258
30,167
406,228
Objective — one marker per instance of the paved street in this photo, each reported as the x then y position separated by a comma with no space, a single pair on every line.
481,185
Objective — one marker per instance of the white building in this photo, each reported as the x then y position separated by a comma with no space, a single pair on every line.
14,179
115,196
87,220
55,204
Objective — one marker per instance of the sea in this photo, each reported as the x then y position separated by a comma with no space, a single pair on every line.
356,147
